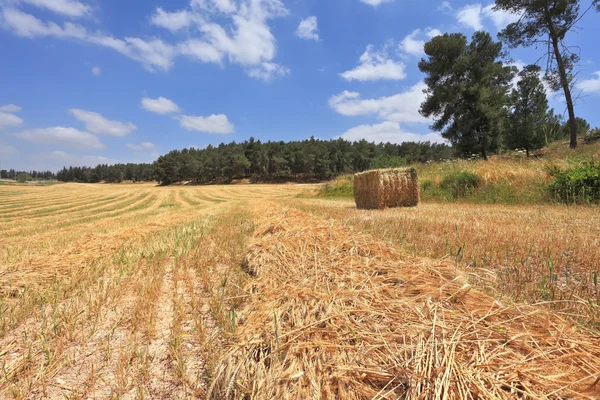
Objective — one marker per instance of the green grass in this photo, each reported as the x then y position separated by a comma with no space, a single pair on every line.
341,187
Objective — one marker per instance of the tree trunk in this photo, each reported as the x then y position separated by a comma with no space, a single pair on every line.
527,151
564,81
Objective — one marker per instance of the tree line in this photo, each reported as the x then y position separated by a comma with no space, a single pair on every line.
27,175
310,159
297,160
116,173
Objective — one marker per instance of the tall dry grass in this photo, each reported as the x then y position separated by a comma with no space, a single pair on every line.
333,313
538,254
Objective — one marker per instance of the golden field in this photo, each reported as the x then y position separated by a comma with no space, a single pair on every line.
263,291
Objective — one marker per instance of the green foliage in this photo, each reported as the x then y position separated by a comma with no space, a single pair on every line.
23,177
576,185
107,173
460,184
311,159
467,89
387,161
427,185
544,24
529,113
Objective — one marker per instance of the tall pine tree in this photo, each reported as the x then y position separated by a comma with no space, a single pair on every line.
529,113
467,90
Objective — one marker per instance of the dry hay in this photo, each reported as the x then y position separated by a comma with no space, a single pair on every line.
384,188
335,314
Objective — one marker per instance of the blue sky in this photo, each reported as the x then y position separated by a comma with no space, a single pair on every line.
89,81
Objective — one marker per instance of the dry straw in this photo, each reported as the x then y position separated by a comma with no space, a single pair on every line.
336,314
386,188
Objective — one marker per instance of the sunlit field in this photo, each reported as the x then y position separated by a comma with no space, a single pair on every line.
263,291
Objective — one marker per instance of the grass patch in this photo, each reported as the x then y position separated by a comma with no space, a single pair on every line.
341,187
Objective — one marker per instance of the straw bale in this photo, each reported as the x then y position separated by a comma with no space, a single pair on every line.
333,313
386,188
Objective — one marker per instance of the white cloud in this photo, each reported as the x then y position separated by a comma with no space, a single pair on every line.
268,71
23,24
70,8
473,16
308,29
376,66
9,120
201,51
239,34
153,54
470,15
160,105
97,124
62,136
10,108
500,19
96,71
142,146
590,85
388,131
412,46
375,3
211,124
173,21
402,107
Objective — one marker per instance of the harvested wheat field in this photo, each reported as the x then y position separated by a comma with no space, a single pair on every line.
260,291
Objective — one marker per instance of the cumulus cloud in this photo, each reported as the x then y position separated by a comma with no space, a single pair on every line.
211,124
474,16
590,85
153,54
374,3
376,65
142,146
268,71
7,118
61,136
411,45
226,31
388,131
173,21
69,8
402,107
308,29
96,71
97,124
220,31
160,105
10,108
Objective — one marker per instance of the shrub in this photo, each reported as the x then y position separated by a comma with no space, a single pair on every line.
576,185
460,184
427,185
593,136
